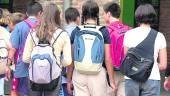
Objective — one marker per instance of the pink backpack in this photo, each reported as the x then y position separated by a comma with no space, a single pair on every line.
117,31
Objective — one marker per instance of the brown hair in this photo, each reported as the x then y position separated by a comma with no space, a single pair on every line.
49,21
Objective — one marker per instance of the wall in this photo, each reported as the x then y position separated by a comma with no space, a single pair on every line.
78,3
164,25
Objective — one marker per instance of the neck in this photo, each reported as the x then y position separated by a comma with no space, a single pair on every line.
112,19
72,23
145,25
90,21
33,17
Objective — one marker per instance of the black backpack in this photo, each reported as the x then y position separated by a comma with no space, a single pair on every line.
139,60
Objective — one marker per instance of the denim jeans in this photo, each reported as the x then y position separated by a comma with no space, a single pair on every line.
2,86
148,88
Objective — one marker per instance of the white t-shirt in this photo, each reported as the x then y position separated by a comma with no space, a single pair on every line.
137,35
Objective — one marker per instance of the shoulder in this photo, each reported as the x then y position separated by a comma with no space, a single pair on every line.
2,29
60,33
160,37
21,24
4,33
133,31
78,28
102,28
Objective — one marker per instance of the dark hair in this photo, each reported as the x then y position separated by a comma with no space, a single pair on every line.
71,14
90,10
113,8
146,14
1,13
34,8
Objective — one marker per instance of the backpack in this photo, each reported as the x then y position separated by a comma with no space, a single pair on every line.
88,49
44,69
139,60
3,56
116,47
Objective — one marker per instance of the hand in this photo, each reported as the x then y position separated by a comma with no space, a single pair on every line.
113,85
8,73
167,84
70,88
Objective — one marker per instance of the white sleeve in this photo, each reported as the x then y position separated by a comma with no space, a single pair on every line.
162,41
126,40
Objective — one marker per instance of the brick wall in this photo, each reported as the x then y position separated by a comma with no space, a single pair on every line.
164,25
78,4
20,6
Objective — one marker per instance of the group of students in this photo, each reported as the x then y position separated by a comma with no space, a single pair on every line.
92,54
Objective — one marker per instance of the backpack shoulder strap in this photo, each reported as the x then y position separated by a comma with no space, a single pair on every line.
32,38
57,37
32,25
148,43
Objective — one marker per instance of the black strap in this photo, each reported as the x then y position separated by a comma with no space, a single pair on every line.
57,37
148,43
54,40
32,38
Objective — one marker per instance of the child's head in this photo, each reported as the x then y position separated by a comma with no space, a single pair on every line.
111,10
4,17
34,9
49,21
72,15
90,10
15,18
145,14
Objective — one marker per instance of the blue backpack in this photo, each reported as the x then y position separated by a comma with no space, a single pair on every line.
88,49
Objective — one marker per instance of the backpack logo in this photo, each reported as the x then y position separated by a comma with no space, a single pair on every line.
88,50
3,56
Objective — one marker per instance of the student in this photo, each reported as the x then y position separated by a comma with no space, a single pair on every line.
4,39
18,37
50,20
90,81
72,17
145,16
14,19
116,30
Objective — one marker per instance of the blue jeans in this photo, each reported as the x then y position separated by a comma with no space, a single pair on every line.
148,88
2,86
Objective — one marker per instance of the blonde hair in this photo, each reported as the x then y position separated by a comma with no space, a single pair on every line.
49,21
17,17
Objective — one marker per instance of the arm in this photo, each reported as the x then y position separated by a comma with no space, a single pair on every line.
13,46
125,49
167,83
162,59
109,66
67,60
70,69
